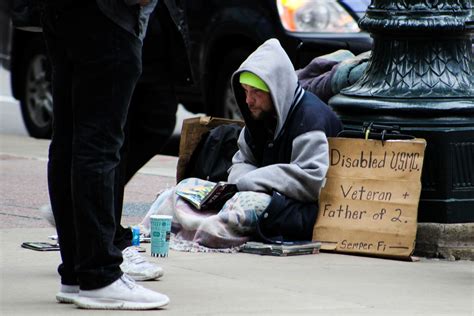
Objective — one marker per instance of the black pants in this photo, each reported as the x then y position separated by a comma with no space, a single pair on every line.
95,65
286,219
152,114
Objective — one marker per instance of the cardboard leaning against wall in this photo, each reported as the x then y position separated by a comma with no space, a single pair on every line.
369,204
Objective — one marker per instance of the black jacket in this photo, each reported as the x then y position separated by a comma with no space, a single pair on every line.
287,219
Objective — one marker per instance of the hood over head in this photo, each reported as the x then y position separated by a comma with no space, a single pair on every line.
271,64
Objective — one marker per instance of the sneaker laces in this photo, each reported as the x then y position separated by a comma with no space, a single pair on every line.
132,255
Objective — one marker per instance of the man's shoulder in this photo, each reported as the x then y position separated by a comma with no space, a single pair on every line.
310,103
312,109
314,114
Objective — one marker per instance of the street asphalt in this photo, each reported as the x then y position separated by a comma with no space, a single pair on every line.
213,283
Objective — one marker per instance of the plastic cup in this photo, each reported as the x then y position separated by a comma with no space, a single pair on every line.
160,234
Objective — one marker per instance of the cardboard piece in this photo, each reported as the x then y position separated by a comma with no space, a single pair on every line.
191,133
369,204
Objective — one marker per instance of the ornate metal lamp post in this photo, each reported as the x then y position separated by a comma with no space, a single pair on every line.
420,77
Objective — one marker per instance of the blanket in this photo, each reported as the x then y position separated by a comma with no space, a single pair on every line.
327,75
193,230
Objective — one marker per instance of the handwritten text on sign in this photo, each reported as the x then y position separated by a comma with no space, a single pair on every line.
370,201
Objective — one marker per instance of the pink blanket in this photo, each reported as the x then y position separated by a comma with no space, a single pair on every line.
195,230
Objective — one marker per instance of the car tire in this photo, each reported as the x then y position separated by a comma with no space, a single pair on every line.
35,96
224,104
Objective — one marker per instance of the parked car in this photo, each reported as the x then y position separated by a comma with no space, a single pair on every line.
222,33
5,35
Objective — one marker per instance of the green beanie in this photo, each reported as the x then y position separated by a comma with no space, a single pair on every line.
253,80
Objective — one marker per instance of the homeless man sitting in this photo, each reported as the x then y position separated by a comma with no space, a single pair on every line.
279,168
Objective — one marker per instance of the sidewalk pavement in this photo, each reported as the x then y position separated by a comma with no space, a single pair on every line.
214,284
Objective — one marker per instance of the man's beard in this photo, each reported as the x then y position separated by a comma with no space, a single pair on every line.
260,116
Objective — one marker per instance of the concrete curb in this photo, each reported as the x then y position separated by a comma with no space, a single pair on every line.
447,241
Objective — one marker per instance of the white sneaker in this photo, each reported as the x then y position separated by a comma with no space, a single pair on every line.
124,293
67,293
137,267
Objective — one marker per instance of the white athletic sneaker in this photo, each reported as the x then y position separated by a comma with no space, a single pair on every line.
137,267
67,293
124,293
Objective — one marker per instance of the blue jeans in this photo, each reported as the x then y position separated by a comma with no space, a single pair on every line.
95,66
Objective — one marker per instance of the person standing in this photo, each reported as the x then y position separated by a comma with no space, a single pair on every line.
152,114
95,51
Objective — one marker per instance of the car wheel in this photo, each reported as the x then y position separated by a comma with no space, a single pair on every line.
36,98
225,105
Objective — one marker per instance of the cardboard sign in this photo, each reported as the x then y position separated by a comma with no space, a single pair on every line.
369,204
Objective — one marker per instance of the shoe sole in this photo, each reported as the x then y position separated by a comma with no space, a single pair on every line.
110,304
152,277
66,298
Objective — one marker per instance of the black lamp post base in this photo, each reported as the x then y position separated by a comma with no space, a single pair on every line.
420,77
411,107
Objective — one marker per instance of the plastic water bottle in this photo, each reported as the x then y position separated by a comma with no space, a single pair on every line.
135,236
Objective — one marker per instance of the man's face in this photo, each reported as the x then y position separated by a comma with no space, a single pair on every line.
259,102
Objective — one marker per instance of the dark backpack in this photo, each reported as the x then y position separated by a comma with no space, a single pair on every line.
213,155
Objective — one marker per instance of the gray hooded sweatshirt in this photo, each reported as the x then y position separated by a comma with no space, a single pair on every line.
295,159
